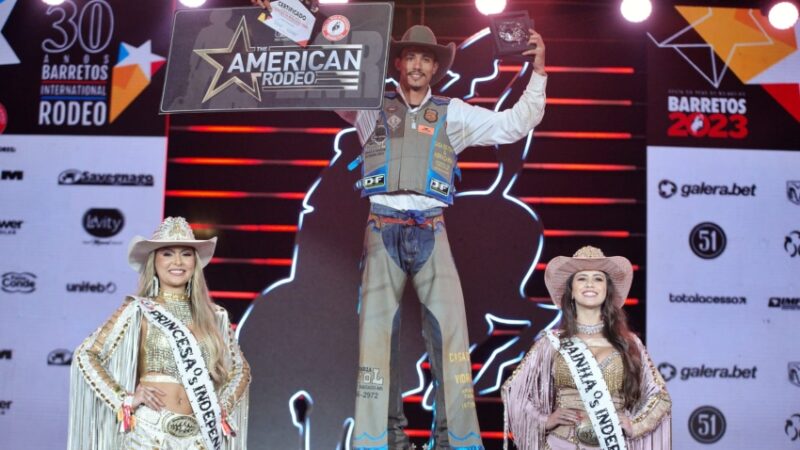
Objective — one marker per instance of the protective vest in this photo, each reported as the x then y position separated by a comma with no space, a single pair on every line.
409,151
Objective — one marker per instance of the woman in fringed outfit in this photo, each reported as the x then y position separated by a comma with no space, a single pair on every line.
589,384
165,371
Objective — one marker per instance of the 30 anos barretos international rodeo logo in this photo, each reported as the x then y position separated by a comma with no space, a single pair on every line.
727,42
82,85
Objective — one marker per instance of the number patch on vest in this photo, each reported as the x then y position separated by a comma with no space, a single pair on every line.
374,181
440,187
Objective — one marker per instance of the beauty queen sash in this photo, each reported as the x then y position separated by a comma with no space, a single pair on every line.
195,376
593,391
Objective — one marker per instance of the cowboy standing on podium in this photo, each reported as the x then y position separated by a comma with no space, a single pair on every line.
410,148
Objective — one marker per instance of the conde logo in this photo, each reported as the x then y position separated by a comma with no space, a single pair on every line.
18,282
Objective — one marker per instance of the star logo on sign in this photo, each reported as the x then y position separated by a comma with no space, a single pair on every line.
141,56
220,58
730,34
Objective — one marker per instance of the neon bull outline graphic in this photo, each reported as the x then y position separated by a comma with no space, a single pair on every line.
301,335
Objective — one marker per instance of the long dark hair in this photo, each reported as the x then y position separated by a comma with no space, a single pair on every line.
616,331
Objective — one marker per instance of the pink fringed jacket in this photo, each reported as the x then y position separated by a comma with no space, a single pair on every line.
542,382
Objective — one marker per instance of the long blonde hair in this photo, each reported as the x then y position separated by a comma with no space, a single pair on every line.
205,322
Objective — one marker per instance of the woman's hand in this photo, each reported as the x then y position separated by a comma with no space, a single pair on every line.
563,416
148,396
626,424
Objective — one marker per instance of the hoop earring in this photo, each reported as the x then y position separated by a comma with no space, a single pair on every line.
154,287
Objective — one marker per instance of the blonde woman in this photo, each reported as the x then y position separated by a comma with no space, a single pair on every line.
164,372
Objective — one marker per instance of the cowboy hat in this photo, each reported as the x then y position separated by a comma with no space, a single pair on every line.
172,231
560,268
423,37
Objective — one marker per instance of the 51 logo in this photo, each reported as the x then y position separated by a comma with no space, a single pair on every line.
699,125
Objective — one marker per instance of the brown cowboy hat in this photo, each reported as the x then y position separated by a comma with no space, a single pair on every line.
423,37
560,268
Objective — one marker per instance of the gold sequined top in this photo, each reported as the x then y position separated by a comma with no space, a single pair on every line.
106,358
155,352
612,367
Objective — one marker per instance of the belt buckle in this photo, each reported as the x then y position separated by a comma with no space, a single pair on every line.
586,435
180,426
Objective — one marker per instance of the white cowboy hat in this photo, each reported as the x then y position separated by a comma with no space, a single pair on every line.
172,231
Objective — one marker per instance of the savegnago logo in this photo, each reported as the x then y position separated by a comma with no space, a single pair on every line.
18,282
707,299
668,188
75,177
669,372
89,287
8,227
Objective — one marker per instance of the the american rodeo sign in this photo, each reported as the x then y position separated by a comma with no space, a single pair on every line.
227,60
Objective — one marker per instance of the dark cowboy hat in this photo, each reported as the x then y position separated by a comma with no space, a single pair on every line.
423,37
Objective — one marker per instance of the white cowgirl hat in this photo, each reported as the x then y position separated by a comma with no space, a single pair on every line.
560,268
423,37
172,231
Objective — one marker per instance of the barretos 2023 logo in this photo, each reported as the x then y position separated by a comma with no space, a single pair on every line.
720,43
85,82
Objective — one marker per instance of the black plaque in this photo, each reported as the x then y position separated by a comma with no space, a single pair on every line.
511,32
227,60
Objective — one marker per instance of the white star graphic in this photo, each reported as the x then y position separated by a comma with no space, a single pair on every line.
716,78
7,55
141,56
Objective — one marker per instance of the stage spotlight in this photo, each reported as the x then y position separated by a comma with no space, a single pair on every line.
487,7
192,3
782,15
636,10
52,2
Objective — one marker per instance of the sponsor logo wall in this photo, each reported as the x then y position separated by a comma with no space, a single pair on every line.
723,247
82,158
